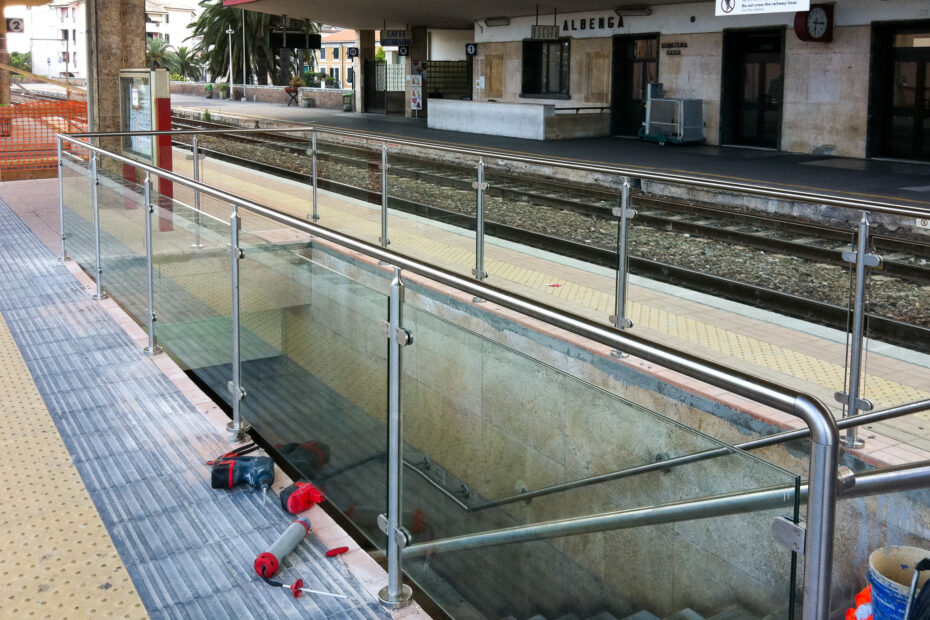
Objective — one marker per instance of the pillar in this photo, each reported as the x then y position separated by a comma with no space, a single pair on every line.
117,41
366,52
5,59
418,52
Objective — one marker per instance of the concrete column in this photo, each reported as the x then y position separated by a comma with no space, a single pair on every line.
366,52
5,59
418,52
117,41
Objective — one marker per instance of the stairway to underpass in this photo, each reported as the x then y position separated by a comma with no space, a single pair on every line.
312,368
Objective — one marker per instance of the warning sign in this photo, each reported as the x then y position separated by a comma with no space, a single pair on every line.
923,222
748,7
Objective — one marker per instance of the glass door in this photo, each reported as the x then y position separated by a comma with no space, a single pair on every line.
636,64
756,95
907,126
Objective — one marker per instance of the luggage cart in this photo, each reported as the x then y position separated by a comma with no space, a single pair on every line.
679,121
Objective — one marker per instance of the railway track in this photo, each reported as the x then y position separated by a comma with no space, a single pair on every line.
823,244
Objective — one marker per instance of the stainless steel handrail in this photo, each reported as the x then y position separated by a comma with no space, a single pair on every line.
634,172
824,432
762,442
890,480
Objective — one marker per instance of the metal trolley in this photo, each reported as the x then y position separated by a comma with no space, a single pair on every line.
679,121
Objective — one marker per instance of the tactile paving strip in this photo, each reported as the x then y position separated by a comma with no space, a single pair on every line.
139,447
59,561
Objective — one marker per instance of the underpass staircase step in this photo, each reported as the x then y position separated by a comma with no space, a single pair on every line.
734,612
685,614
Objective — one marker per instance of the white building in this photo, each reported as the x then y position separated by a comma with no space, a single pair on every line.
57,38
169,20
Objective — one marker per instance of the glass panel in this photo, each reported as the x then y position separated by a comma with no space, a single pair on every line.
769,296
554,242
122,237
905,81
78,210
896,357
314,365
485,422
912,39
432,210
193,290
349,195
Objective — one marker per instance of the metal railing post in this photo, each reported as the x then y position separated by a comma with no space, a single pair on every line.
195,149
238,427
95,183
384,197
852,402
480,187
821,507
396,594
61,204
152,348
623,212
316,212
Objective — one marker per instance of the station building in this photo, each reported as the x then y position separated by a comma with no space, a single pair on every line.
849,78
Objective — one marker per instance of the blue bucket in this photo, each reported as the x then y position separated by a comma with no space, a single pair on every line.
891,570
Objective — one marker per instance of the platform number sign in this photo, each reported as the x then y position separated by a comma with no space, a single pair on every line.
353,52
403,50
15,25
471,49
923,222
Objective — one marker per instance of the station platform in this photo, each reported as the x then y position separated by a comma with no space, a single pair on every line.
897,182
108,509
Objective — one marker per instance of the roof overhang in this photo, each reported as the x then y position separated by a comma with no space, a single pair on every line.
376,14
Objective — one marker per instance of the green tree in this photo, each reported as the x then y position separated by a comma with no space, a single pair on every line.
157,53
21,60
183,61
263,62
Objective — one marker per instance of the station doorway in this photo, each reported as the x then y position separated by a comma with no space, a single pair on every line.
384,87
901,89
753,83
635,65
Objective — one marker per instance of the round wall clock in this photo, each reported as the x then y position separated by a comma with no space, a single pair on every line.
815,25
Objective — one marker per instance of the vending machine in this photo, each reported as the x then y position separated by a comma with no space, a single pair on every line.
145,105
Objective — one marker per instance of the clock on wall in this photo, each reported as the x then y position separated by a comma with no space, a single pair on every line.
815,25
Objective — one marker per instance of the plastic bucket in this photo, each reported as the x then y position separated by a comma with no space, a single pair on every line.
891,570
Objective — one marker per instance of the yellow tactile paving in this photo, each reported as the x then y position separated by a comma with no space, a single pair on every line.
59,561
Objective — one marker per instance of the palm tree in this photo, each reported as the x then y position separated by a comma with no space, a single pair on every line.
157,53
183,61
211,27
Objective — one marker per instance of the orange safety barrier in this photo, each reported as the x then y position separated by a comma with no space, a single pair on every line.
27,136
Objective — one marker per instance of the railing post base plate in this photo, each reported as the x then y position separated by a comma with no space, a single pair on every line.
100,297
153,351
238,434
388,602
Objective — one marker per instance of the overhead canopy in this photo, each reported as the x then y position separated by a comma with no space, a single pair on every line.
375,14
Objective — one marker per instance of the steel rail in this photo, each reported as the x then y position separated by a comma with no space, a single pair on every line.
890,480
762,442
634,172
824,432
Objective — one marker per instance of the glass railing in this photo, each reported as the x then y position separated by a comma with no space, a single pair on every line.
485,423
722,279
516,414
